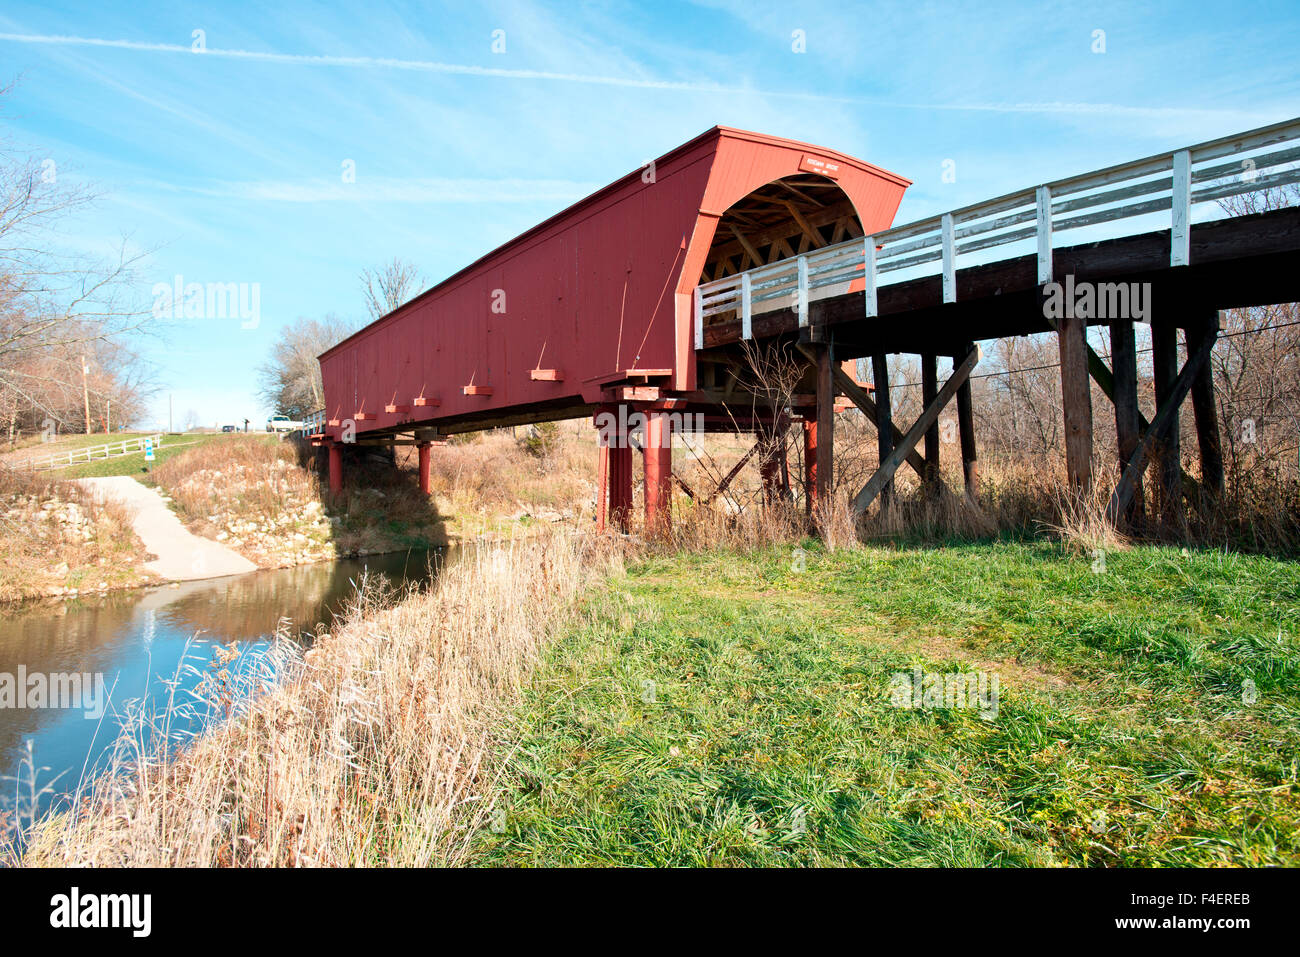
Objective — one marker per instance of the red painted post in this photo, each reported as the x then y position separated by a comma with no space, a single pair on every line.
336,470
809,463
614,482
620,482
602,484
424,467
771,465
658,473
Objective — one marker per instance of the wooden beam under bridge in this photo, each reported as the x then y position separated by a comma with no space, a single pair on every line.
1105,379
1160,425
859,397
928,417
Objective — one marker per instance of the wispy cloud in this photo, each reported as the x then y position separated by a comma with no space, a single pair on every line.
644,83
391,190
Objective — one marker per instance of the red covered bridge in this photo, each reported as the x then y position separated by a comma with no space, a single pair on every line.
593,309
645,306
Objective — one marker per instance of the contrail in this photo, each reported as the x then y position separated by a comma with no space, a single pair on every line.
461,69
426,66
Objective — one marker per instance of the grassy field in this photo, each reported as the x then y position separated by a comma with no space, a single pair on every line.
728,709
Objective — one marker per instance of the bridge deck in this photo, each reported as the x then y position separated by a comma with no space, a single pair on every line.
1242,261
762,241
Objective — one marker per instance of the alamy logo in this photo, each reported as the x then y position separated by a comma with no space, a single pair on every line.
74,910
213,300
919,689
58,691
1097,300
629,428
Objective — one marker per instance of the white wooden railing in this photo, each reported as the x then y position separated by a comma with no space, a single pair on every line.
1194,176
58,460
312,424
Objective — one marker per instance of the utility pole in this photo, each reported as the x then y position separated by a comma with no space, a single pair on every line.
85,391
169,412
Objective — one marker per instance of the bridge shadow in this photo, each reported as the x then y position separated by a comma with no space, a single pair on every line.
381,508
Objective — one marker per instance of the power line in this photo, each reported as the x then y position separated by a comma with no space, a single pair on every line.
1057,365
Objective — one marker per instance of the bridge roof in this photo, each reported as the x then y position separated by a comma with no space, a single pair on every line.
708,140
603,286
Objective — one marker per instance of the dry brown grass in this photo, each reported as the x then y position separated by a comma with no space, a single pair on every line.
55,539
483,484
377,746
255,497
372,750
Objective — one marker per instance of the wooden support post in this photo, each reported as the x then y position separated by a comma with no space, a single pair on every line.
809,463
884,475
1101,374
785,470
966,429
424,467
1128,418
884,422
1166,418
825,424
1076,401
658,457
1205,412
602,486
844,382
336,469
771,465
620,489
929,389
1164,363
767,470
614,488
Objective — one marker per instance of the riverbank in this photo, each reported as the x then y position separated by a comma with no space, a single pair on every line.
178,554
257,498
251,495
374,748
573,701
57,541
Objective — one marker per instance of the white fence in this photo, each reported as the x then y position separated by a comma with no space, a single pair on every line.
1194,175
58,460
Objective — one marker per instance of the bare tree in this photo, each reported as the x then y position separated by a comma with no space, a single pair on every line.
390,286
1256,364
54,306
290,380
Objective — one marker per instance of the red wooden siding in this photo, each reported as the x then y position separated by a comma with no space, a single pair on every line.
604,286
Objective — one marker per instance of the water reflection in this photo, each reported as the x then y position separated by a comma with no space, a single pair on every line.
141,640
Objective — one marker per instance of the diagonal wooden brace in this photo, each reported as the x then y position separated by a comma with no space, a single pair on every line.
858,396
726,482
1123,494
907,443
1105,379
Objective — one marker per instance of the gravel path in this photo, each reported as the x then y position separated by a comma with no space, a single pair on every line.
182,555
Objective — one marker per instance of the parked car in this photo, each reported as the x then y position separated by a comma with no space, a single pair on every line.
282,423
229,428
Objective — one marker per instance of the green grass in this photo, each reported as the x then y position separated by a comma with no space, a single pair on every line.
1121,736
134,463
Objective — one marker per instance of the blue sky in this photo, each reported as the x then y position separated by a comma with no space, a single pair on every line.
228,167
